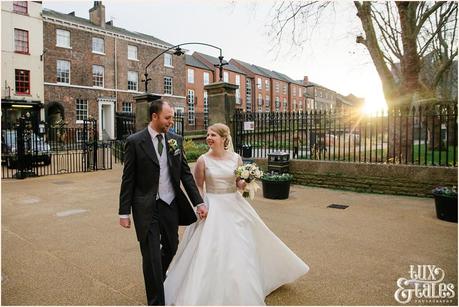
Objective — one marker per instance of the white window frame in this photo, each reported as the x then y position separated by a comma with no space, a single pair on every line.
79,115
168,60
285,105
133,77
267,103
267,84
225,76
133,53
260,102
190,101
60,68
168,88
127,107
63,37
96,44
190,73
205,77
259,84
96,74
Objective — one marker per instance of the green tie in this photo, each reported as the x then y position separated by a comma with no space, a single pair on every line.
160,144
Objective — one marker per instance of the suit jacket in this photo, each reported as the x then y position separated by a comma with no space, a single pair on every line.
139,185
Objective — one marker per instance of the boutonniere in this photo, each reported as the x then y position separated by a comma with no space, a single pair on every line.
173,145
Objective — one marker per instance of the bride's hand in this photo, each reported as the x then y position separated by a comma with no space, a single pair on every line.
241,184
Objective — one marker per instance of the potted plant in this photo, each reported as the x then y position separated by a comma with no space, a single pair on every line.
275,185
446,203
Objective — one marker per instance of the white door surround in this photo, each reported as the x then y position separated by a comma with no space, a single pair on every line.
106,126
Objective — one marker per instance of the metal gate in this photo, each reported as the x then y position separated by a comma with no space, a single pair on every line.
30,150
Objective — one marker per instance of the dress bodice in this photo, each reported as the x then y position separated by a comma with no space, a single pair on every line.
220,177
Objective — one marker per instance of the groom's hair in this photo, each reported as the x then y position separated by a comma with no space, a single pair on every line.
156,106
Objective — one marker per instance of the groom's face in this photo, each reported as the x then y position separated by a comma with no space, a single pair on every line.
163,120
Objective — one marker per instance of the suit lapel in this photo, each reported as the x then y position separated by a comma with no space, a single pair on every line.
147,146
170,155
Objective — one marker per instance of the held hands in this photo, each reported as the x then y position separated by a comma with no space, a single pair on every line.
125,222
202,211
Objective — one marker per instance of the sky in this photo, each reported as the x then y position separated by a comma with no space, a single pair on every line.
329,57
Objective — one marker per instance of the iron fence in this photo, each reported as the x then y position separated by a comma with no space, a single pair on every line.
29,151
421,136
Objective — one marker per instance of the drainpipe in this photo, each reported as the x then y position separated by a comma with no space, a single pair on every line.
116,79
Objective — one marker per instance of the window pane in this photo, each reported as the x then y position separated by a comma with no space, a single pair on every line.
168,85
63,71
62,38
22,81
206,78
21,41
133,80
190,100
20,7
127,107
98,45
168,59
81,109
132,52
190,75
98,75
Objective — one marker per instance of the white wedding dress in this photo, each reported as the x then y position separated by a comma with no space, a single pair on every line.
231,257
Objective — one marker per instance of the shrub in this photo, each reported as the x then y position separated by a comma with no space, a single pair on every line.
194,150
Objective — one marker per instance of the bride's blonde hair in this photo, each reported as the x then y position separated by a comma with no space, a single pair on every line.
223,131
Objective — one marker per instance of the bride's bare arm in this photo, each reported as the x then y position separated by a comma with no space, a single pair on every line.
200,174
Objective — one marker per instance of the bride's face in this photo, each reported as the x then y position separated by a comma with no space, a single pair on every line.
214,140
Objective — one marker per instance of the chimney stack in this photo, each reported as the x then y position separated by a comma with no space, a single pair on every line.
97,14
305,80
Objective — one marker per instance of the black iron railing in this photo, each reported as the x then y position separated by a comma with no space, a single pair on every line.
420,136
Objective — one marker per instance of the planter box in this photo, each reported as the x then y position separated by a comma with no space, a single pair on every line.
446,207
276,189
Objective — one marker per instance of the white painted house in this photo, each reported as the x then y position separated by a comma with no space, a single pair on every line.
22,87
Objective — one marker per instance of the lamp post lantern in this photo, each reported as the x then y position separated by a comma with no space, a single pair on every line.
178,51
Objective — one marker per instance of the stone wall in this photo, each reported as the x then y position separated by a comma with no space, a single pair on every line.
410,180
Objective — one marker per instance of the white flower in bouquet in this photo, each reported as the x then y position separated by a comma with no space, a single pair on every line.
245,174
249,172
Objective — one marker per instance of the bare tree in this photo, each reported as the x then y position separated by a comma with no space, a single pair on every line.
398,36
413,46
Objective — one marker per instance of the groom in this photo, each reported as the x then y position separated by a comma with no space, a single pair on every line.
154,167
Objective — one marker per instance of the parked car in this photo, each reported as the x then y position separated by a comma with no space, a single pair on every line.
37,150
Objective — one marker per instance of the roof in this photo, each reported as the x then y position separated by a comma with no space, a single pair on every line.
192,61
108,27
267,72
250,68
216,61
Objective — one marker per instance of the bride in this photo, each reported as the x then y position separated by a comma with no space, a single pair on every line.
229,257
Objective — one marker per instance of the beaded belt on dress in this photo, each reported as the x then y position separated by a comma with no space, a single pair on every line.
221,190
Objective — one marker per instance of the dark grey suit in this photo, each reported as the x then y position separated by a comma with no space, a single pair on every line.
156,223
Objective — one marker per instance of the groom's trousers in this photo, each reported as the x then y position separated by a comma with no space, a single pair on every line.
158,249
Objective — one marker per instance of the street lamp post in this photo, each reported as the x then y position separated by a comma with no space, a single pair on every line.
178,51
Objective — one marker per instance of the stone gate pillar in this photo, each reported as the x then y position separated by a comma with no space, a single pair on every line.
221,102
142,106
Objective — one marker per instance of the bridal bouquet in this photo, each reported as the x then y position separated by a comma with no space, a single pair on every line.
249,172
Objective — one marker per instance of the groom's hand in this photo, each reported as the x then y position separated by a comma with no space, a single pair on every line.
125,222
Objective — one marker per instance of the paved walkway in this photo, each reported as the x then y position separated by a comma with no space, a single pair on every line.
61,243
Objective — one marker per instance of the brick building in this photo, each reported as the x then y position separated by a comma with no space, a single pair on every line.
231,74
93,68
